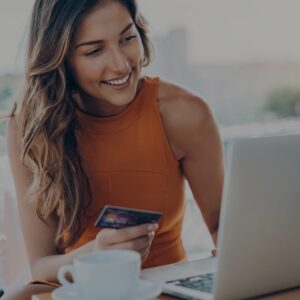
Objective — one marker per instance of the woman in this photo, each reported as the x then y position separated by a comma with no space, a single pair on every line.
92,131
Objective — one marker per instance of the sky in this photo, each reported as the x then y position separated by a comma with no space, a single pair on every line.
219,31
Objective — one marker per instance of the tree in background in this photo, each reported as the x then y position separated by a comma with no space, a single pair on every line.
5,97
283,102
5,103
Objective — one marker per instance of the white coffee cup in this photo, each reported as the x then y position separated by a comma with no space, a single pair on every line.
106,274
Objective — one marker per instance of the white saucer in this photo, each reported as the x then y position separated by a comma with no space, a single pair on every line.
63,293
144,290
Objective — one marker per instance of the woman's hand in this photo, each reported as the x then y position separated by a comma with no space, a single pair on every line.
214,252
137,238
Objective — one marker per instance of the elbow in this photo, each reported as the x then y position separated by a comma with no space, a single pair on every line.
37,272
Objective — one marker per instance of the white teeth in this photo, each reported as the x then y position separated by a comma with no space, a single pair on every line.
119,81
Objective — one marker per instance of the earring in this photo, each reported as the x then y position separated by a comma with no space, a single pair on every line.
74,91
73,88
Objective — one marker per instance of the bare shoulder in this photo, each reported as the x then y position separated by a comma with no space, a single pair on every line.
179,104
184,114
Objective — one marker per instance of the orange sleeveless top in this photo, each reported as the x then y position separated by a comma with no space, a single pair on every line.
129,163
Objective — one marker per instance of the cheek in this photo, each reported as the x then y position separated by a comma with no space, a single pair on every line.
86,71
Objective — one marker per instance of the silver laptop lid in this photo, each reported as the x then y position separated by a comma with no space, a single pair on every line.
259,239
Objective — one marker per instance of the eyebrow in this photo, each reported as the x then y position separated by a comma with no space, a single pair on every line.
101,41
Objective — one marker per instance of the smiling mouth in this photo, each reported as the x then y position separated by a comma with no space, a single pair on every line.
118,82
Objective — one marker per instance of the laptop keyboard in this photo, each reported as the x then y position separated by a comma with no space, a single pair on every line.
203,282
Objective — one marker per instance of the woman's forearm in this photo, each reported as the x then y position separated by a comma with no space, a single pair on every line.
45,268
214,236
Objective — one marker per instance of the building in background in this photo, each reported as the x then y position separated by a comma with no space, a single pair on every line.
236,92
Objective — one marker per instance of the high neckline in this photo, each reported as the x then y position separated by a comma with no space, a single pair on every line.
115,123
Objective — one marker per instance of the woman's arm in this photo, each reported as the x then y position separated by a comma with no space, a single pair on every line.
39,237
195,140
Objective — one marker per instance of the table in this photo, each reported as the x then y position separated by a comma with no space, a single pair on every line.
48,297
293,294
161,274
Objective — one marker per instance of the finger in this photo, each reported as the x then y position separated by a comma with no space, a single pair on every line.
214,252
104,237
151,235
145,252
147,247
145,255
131,233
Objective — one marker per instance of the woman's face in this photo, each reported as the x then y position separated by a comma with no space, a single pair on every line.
106,59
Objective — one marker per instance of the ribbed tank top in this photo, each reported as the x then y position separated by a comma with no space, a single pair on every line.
129,163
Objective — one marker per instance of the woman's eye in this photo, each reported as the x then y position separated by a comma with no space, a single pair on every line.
94,52
129,38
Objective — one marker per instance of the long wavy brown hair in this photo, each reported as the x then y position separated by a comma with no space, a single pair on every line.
46,115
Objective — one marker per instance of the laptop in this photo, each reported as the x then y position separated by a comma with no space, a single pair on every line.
259,233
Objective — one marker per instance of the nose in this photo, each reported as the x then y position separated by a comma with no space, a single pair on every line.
118,62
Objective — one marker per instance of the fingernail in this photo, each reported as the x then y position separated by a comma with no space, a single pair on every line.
151,234
152,227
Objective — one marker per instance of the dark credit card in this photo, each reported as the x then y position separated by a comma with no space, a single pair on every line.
119,217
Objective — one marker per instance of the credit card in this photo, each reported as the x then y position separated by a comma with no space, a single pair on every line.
120,217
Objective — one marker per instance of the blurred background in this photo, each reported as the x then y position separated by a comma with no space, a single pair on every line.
241,56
